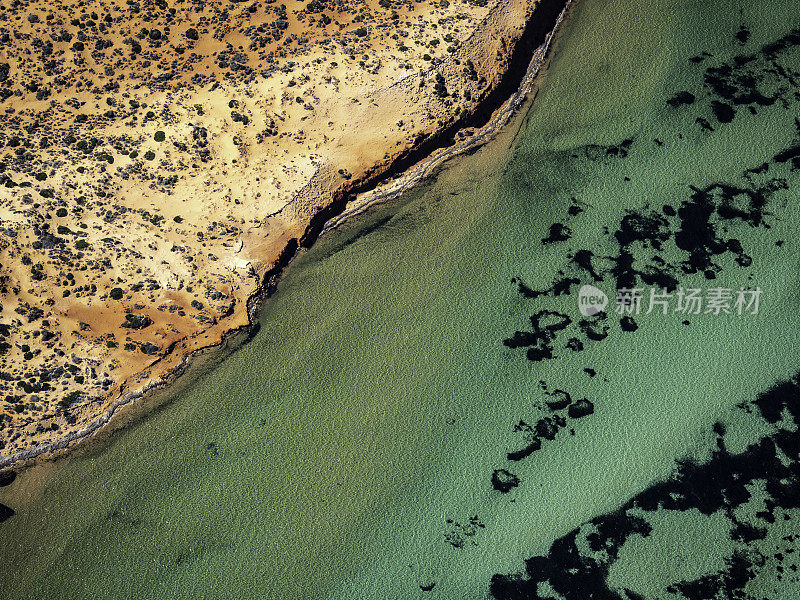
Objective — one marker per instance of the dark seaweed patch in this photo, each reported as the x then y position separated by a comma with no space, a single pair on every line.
533,443
705,126
581,408
700,229
545,325
790,154
504,481
743,35
525,452
681,98
558,233
462,535
723,483
560,400
700,57
6,512
427,587
722,111
7,478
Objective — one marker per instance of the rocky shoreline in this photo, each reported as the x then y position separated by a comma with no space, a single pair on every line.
389,190
353,197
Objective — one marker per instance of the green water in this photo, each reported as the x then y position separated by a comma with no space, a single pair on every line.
344,451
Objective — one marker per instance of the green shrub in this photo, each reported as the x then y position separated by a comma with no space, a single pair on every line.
116,293
159,136
69,399
440,88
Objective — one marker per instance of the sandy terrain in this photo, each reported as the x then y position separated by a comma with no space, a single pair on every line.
157,158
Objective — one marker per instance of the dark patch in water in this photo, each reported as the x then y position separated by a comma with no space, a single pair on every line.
628,324
427,587
681,98
462,535
6,512
558,233
743,35
723,483
723,112
504,481
581,408
561,399
701,57
7,478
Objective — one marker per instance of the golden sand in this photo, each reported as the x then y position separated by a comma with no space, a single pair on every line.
157,157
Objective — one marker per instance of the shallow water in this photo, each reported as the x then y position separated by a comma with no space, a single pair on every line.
347,450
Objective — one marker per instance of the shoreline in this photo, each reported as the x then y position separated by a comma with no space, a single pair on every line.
419,172
402,174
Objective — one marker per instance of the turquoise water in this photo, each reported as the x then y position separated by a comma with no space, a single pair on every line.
348,449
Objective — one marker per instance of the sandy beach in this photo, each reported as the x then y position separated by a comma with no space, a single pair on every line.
149,207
